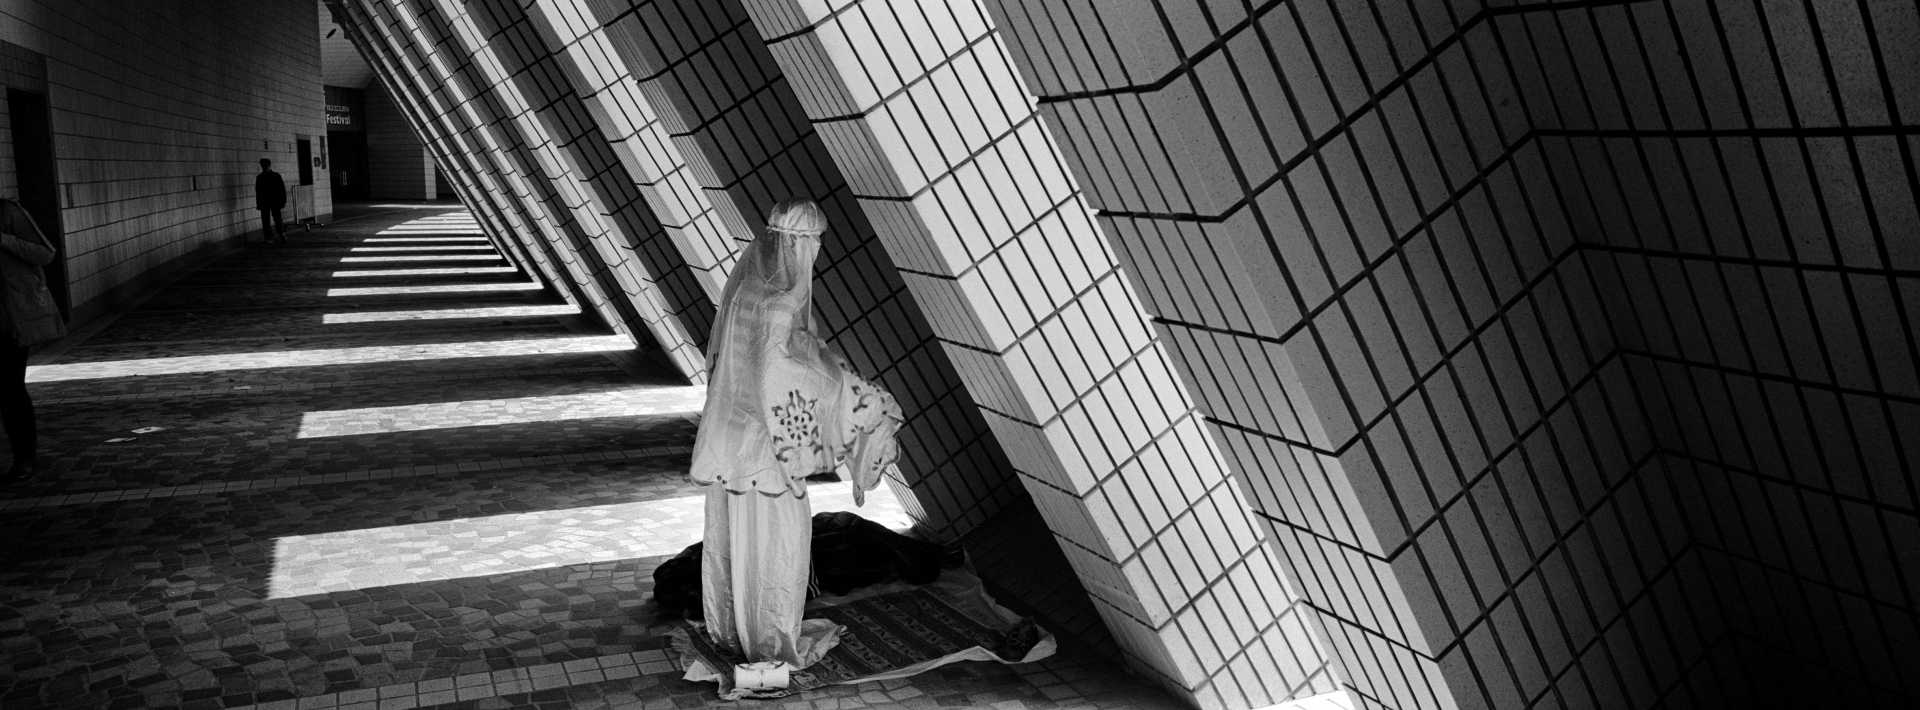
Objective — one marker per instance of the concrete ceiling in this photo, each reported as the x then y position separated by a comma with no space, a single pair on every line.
340,64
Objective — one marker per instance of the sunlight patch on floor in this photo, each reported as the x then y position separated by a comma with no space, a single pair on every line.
427,257
637,401
463,232
436,271
148,367
423,247
434,288
519,542
557,309
456,240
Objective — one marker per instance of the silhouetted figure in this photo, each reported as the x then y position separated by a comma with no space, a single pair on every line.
28,317
270,196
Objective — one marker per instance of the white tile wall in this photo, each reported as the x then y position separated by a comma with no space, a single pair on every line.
156,148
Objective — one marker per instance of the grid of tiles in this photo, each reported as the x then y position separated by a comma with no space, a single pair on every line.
922,110
730,112
398,164
1749,177
1342,223
156,142
715,92
1465,290
623,112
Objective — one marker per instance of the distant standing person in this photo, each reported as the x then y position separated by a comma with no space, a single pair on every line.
28,317
270,195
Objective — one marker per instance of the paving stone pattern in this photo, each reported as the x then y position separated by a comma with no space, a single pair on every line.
349,503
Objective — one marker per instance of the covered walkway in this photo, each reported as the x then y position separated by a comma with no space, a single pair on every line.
376,468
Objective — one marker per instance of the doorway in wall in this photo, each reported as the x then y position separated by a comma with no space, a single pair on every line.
300,195
39,185
347,158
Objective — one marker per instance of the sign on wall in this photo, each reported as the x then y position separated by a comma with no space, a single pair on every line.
345,109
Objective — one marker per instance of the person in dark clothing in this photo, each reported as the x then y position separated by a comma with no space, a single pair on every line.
28,317
16,411
270,195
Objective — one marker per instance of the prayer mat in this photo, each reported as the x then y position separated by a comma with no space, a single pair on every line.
889,635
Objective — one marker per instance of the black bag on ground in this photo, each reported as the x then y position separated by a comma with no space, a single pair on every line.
849,552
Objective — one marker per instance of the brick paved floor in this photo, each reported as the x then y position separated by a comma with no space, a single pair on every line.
261,488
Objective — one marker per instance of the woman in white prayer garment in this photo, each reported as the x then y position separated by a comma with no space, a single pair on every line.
781,405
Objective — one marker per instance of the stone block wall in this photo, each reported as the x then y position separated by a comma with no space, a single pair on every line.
156,138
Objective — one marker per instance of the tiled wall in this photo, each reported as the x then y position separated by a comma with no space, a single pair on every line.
157,140
951,460
745,146
1535,337
398,164
612,94
921,108
729,114
1750,169
1569,365
1375,296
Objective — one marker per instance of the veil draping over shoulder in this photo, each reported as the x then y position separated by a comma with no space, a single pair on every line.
781,404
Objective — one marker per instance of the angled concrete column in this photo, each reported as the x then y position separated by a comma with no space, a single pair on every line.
729,113
1342,221
627,118
589,240
920,107
719,105
566,126
477,181
496,114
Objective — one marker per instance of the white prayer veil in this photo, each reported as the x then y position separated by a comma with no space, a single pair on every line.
781,404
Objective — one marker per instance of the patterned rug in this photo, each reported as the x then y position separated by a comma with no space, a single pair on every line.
884,634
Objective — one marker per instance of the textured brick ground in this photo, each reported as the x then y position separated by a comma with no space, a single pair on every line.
350,504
